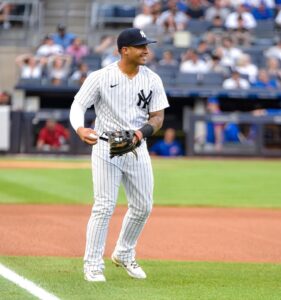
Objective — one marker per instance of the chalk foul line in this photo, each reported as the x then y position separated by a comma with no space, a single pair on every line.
26,284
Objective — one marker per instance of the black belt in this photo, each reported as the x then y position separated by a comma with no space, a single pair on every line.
104,137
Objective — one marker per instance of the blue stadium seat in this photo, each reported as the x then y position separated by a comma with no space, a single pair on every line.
167,74
264,29
48,82
125,11
186,79
168,70
107,10
177,52
93,61
198,27
212,79
30,82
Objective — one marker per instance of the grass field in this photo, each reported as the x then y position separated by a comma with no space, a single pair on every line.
231,183
177,182
166,280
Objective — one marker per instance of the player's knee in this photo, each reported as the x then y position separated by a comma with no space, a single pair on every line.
103,211
144,211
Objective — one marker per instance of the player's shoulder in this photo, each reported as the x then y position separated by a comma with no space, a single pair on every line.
103,72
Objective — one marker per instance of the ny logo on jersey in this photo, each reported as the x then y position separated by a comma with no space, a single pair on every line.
143,99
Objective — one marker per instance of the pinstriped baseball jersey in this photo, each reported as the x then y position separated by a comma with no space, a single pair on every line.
120,102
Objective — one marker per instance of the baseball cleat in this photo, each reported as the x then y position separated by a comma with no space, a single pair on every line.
94,276
132,268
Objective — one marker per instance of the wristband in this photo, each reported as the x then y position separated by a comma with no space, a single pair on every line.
147,130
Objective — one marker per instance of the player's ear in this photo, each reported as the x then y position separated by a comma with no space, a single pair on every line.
124,50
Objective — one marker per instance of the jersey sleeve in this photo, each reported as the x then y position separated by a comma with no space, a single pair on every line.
89,92
159,99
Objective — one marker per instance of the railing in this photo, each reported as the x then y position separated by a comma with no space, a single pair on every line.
29,23
254,135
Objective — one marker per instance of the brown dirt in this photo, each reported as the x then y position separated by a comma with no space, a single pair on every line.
194,234
10,164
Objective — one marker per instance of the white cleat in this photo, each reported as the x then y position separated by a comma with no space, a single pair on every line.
132,268
93,276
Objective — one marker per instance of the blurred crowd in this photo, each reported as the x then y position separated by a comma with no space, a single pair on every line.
224,47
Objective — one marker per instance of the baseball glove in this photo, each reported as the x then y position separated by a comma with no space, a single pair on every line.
121,142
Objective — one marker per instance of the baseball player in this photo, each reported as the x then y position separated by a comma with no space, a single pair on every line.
127,96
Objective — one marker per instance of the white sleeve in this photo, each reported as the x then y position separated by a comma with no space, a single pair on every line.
76,116
86,97
89,91
159,99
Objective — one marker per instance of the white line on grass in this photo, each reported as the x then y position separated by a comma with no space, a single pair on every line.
26,284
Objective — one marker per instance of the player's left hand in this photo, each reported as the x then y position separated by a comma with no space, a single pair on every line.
137,137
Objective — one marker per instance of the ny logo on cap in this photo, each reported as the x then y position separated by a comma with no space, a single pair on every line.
142,34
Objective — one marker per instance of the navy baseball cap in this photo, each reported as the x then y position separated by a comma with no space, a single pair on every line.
132,37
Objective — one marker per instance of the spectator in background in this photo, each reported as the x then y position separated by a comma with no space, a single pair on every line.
273,68
218,133
110,58
257,3
106,45
53,136
203,50
5,98
62,37
241,36
143,19
274,51
218,9
215,32
49,48
214,131
5,10
168,59
262,12
30,65
169,146
80,74
173,19
264,81
195,9
214,65
192,64
245,67
235,82
58,69
77,50
232,20
228,52
151,60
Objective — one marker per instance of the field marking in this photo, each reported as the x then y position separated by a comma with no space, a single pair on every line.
26,284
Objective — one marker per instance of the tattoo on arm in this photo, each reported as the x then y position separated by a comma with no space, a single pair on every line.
156,120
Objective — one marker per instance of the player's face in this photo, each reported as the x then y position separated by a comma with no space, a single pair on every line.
138,54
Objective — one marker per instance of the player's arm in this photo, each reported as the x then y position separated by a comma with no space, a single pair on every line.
154,123
77,113
82,101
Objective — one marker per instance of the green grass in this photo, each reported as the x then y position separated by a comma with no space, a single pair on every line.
166,280
229,183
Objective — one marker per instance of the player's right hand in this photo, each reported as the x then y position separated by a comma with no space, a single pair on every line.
87,135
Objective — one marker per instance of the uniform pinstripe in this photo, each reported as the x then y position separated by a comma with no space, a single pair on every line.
120,103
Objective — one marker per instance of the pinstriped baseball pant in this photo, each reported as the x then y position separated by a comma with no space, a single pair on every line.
137,178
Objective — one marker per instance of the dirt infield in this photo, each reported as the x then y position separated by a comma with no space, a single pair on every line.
10,164
193,234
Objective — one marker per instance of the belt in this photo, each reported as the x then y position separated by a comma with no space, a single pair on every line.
104,137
